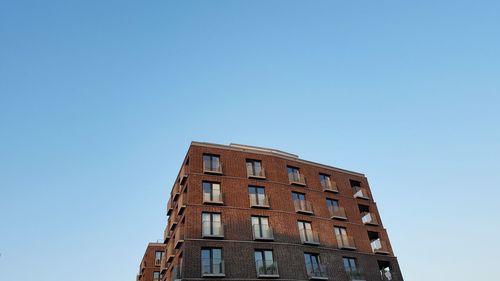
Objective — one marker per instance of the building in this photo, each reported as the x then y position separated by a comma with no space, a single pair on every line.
149,269
245,213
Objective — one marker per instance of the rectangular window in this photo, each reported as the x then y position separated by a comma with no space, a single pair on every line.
257,196
332,203
325,180
295,177
254,169
313,265
352,269
336,212
156,276
212,225
158,257
300,203
211,192
298,196
307,235
344,241
261,229
266,266
211,262
211,163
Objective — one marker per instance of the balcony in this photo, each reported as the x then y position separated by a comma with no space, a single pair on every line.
166,234
212,229
181,205
303,206
355,275
368,218
256,173
173,222
379,247
163,264
170,206
212,167
337,213
183,175
178,238
329,186
360,193
267,269
308,236
175,191
214,198
316,271
212,267
262,232
170,254
261,202
346,242
386,275
297,179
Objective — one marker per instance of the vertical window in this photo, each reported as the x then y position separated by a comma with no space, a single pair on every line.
306,233
351,268
211,224
298,196
331,203
257,196
211,192
265,263
254,168
340,233
156,276
313,265
158,256
300,203
293,174
211,262
261,229
325,180
211,163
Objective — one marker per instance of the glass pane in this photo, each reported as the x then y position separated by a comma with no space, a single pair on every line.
268,256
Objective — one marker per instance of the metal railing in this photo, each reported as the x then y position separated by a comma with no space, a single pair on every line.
212,229
360,192
296,178
346,242
355,275
309,236
386,275
212,267
214,198
259,202
262,232
337,212
256,173
267,268
316,271
303,206
329,186
369,218
379,246
210,167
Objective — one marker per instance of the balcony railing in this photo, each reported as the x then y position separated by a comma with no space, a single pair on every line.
183,174
303,206
212,168
386,275
328,185
179,237
360,192
181,205
175,191
170,253
215,198
337,212
379,247
212,267
346,242
170,206
355,275
316,271
256,173
173,222
296,178
267,268
212,229
262,232
369,218
261,202
309,236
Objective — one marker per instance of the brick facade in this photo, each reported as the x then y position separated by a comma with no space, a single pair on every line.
149,264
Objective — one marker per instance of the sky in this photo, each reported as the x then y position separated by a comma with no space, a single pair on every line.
99,101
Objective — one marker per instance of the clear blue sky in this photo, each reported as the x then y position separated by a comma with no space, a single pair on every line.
99,101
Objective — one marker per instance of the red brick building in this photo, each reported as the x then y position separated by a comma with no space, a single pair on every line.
149,269
246,213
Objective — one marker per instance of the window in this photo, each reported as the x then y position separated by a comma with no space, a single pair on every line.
211,192
344,241
366,216
332,203
385,270
307,235
211,262
300,203
325,180
254,169
156,276
261,229
378,246
355,183
313,266
211,163
294,176
265,264
258,197
336,212
158,256
211,225
351,268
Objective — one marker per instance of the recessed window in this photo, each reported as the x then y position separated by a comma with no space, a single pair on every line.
156,276
295,177
212,263
158,257
261,229
314,267
344,241
258,197
265,264
212,164
212,193
300,203
307,235
351,268
212,225
254,169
